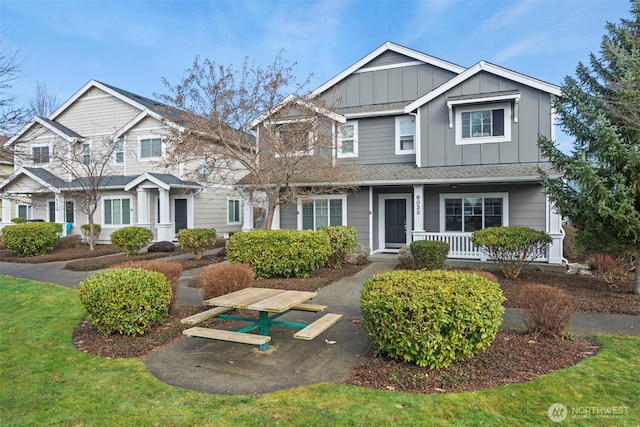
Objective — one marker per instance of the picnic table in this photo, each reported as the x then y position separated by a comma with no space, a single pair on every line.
270,305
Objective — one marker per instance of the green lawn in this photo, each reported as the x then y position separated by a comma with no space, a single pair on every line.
44,380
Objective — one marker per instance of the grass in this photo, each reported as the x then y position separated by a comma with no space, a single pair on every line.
44,380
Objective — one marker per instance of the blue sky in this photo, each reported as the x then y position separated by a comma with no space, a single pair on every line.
134,44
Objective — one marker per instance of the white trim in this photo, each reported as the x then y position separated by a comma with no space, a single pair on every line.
382,217
490,68
388,66
103,211
399,151
29,208
305,103
239,211
368,114
301,200
340,154
483,139
490,99
40,145
388,46
505,206
418,138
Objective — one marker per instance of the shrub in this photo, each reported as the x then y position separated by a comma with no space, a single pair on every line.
280,253
549,309
431,318
86,230
358,257
131,239
125,300
170,269
224,278
69,242
405,258
608,268
19,220
429,254
512,247
570,248
343,241
31,238
197,240
484,273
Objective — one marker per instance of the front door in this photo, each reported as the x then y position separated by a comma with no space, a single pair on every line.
180,211
395,223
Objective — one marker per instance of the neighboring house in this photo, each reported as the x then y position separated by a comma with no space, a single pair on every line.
135,188
6,166
436,150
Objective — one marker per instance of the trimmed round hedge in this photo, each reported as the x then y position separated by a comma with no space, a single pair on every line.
31,238
431,318
125,300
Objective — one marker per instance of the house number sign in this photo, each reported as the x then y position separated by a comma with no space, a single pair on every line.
417,204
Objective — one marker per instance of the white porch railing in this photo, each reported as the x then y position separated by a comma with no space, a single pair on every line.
460,245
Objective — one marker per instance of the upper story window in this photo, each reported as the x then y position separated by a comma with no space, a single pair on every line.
466,213
40,154
150,148
405,135
483,123
294,137
119,151
348,139
86,153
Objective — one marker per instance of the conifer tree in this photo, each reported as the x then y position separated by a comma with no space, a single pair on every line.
600,109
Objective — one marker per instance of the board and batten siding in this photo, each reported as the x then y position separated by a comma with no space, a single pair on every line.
376,142
438,140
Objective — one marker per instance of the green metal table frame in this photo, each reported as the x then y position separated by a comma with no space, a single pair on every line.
263,323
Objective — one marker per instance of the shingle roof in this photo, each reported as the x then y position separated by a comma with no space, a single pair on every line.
63,129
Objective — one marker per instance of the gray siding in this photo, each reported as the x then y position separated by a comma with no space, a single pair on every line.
358,214
376,142
438,140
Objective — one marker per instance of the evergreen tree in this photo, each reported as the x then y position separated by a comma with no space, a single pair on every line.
600,108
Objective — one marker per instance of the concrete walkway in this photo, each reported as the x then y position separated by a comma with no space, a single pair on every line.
228,368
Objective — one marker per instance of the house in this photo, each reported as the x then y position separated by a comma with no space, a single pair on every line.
436,151
112,140
6,166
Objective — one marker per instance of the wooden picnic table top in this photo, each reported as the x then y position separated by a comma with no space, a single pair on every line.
262,299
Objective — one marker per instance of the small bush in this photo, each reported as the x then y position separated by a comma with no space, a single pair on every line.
197,240
343,241
19,220
358,257
429,254
608,268
224,278
431,318
170,269
69,242
549,309
125,300
512,247
86,231
280,253
405,259
131,239
31,238
483,273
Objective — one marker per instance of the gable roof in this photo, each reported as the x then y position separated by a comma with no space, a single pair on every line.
55,127
389,46
42,176
304,103
477,68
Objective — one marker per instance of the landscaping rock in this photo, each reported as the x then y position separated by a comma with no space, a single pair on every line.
162,247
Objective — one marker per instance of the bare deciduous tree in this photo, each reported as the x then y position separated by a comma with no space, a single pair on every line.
239,125
12,117
43,103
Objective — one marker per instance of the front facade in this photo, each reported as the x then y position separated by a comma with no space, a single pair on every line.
55,157
436,151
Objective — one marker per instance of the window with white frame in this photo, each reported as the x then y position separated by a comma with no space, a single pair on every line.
86,153
405,135
150,148
116,211
119,151
233,211
483,123
51,210
295,137
321,211
69,211
24,211
40,154
348,139
465,213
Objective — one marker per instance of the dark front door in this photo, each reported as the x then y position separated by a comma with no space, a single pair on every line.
180,209
395,223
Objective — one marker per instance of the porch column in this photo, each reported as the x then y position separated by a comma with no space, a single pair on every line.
275,225
164,227
554,229
6,209
418,208
247,217
143,208
60,208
